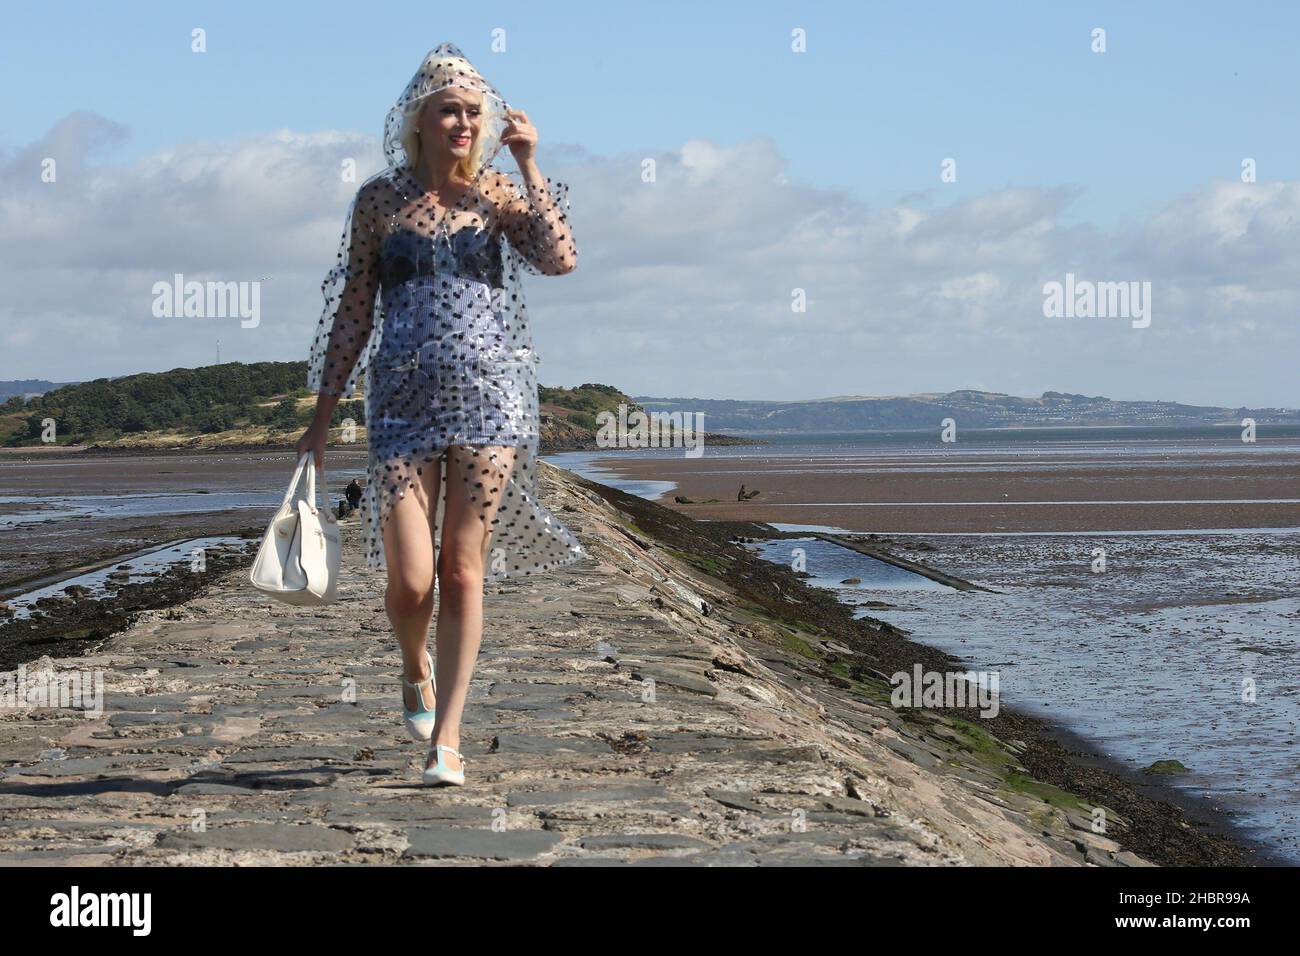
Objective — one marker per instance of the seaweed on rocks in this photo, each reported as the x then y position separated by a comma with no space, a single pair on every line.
1162,825
76,626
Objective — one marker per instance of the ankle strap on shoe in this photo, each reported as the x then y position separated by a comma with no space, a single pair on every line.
420,683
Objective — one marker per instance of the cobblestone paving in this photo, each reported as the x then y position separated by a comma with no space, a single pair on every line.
624,711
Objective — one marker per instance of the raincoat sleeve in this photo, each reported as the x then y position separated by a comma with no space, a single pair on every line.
350,289
534,219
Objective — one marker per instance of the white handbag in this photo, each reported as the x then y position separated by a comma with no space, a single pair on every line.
298,562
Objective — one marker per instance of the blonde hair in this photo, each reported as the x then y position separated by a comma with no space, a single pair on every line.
466,166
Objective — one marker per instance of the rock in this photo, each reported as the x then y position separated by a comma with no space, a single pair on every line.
541,798
737,800
642,841
676,677
537,744
1167,767
280,838
483,843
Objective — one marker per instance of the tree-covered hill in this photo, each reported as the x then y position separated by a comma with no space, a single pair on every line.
183,401
237,404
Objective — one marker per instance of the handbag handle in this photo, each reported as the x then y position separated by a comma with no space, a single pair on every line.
297,477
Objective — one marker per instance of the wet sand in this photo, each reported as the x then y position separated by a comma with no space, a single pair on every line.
986,492
33,550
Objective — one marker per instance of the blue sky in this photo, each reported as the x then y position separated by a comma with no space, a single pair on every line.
885,92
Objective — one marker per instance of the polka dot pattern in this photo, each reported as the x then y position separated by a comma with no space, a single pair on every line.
426,302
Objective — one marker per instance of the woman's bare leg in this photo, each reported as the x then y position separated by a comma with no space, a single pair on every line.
408,549
476,481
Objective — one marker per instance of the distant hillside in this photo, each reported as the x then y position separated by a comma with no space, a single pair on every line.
28,387
266,404
569,416
235,405
157,409
969,408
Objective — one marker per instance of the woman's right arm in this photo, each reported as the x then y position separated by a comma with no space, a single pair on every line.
349,318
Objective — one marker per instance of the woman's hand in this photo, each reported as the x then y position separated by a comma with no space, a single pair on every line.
313,440
521,136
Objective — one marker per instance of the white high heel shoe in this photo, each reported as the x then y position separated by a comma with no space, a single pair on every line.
442,775
419,723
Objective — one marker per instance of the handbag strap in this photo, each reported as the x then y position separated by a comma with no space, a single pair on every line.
297,477
311,486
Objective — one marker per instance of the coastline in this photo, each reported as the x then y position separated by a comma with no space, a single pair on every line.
1176,828
1046,777
1224,533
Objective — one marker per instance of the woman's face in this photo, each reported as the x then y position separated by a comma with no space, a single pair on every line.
450,121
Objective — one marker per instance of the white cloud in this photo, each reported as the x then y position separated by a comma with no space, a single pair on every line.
684,285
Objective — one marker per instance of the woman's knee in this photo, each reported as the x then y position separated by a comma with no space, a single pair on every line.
460,569
406,596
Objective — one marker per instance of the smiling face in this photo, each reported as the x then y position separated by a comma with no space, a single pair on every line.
450,122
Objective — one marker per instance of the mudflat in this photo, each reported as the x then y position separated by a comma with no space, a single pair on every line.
62,511
981,492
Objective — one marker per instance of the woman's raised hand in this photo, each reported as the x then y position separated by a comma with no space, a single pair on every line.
521,136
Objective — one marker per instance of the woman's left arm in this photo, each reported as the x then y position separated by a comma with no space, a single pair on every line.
535,218
535,221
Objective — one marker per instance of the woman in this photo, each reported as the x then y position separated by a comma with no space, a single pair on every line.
426,297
